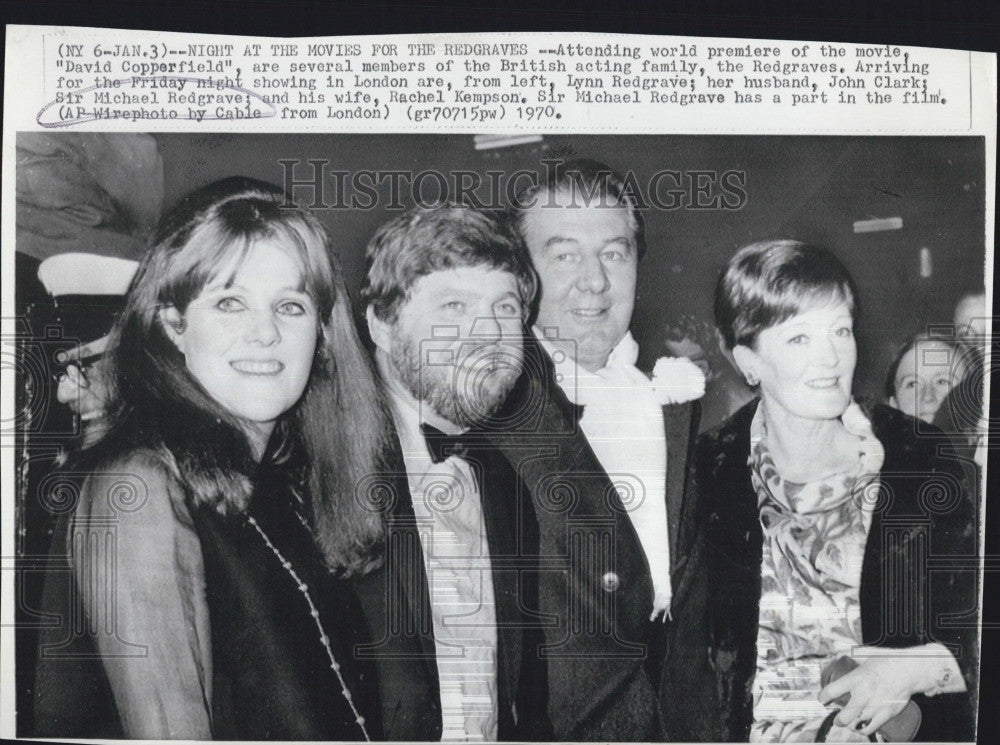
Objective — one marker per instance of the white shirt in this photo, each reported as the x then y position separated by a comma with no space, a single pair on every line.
623,422
446,503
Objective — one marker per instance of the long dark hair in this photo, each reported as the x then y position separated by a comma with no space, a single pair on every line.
337,430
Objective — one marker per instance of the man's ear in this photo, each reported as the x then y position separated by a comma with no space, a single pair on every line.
379,330
894,403
173,326
746,361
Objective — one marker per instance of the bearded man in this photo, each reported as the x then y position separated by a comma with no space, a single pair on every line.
448,291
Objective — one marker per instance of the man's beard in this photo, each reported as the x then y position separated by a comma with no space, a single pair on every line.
464,391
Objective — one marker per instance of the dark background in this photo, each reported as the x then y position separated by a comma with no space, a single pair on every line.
807,188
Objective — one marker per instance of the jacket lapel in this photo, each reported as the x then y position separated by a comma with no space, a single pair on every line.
680,423
498,498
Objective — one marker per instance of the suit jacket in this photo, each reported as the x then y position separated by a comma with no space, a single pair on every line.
396,599
918,579
603,656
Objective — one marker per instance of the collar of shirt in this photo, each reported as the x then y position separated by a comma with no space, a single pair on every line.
421,469
407,417
582,386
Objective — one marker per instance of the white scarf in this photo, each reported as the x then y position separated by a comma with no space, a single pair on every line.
623,422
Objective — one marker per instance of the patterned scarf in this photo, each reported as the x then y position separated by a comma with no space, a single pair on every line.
814,545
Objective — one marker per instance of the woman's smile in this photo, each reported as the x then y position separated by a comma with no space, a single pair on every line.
257,367
823,382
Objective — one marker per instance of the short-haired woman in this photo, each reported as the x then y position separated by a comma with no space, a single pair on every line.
821,518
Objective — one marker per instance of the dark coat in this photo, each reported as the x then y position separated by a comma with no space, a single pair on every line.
271,676
913,591
396,599
603,656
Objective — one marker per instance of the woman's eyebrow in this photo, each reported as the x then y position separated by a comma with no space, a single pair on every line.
227,285
298,289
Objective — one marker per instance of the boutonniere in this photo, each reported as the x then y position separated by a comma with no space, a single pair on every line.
676,380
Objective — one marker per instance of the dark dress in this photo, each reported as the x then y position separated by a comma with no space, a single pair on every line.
271,676
918,578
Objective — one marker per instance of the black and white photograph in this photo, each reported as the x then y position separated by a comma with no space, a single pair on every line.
499,437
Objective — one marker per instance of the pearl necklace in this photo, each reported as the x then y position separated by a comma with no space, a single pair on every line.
314,612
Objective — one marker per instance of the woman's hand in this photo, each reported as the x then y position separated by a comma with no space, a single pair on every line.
883,683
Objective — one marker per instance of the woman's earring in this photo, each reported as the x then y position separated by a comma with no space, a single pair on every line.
751,379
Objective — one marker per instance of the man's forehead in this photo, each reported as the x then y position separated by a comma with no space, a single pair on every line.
576,219
467,280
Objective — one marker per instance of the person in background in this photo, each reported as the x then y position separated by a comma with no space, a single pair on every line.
243,414
963,418
821,620
86,206
923,373
447,292
88,294
970,317
76,192
604,451
964,414
725,391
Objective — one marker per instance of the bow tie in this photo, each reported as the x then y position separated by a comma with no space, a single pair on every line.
441,446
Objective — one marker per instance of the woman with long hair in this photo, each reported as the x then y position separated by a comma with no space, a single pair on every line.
218,521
